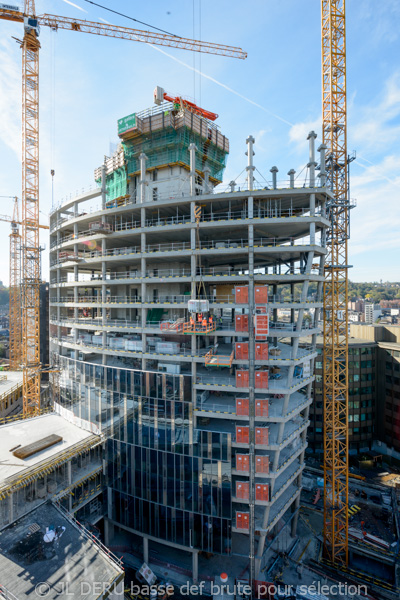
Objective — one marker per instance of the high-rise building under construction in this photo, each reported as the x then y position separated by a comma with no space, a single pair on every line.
184,324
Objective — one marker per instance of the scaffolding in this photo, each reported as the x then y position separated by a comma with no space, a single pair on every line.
164,134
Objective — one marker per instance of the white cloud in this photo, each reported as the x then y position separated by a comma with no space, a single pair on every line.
10,98
75,5
372,127
298,133
375,222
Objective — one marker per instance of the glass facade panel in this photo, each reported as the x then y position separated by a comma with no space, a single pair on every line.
161,485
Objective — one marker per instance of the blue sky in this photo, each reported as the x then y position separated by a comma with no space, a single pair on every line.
88,82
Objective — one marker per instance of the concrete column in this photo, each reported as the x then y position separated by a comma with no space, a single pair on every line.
295,518
250,166
192,174
195,566
142,183
274,171
11,507
250,207
322,169
103,187
108,531
207,186
76,309
291,174
312,164
146,549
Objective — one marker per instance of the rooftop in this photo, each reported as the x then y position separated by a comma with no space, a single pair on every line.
69,565
12,378
28,431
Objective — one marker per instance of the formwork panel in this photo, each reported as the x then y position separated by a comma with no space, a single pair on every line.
262,328
261,294
262,464
242,323
242,434
242,462
242,379
242,350
242,294
262,492
242,520
261,408
262,435
242,490
261,351
261,380
242,407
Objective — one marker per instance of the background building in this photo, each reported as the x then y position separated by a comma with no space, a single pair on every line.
387,340
363,387
371,313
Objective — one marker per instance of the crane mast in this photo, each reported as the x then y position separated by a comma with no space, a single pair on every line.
30,213
15,292
335,365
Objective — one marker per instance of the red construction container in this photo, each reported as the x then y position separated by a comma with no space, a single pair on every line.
242,407
262,491
242,323
242,350
242,490
261,380
242,434
242,379
262,464
242,520
242,462
262,435
242,294
261,327
261,350
260,294
261,408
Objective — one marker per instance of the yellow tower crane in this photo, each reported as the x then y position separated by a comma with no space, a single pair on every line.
335,364
15,326
15,290
30,160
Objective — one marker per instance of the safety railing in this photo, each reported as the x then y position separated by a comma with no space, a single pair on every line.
181,351
91,537
218,360
197,327
6,594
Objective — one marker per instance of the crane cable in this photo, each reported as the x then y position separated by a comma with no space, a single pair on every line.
131,18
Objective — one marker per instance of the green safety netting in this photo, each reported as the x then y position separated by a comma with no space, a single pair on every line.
172,146
163,147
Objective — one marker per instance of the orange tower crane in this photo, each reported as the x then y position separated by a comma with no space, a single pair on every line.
30,160
335,365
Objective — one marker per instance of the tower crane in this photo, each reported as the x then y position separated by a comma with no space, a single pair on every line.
15,326
15,297
30,159
335,365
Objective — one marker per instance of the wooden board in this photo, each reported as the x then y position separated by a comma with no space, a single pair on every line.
38,446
